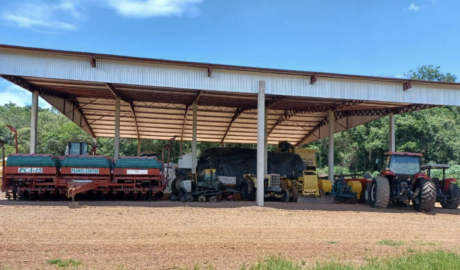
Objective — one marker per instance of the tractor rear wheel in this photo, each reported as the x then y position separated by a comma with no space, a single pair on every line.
285,195
380,192
175,186
454,201
426,195
293,194
247,189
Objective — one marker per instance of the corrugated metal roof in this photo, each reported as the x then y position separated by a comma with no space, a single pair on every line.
156,94
160,112
88,55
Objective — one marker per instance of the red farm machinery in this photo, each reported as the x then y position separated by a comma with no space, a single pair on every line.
138,178
402,181
447,189
44,177
30,176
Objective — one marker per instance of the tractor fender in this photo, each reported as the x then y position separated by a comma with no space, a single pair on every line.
417,176
447,183
387,173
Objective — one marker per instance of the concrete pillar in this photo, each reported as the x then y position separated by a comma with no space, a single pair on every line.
392,142
138,147
33,123
261,131
331,145
194,138
117,128
266,143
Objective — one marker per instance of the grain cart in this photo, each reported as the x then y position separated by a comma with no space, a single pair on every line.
401,182
447,190
31,176
272,188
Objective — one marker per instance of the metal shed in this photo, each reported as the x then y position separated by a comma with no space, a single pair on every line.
141,98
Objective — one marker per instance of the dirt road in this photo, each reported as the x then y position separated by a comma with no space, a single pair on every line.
162,235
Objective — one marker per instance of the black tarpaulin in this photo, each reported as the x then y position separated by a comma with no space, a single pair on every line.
240,161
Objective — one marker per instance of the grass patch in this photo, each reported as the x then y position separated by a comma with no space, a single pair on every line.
274,263
333,242
196,267
391,243
64,263
414,260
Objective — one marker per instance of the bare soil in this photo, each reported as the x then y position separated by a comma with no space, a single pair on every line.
165,235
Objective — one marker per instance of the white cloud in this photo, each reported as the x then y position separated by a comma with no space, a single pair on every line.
39,15
155,8
19,96
414,7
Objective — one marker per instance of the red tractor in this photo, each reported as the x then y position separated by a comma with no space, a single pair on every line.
401,182
447,190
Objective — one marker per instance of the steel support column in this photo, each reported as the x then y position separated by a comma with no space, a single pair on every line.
331,145
261,131
33,123
392,143
194,138
117,128
266,142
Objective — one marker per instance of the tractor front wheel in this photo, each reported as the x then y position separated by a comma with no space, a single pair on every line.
285,195
379,192
367,191
247,189
293,194
454,201
425,198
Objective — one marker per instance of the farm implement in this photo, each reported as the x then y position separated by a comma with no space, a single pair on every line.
45,177
401,182
447,190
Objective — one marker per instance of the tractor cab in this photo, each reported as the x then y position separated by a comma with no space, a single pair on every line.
79,148
403,165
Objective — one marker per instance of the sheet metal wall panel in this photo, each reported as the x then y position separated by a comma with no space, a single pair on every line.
74,68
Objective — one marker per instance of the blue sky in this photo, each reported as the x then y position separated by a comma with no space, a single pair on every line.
365,37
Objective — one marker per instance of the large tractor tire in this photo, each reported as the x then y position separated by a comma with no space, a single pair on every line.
454,201
426,195
367,192
293,194
175,186
379,192
285,194
247,189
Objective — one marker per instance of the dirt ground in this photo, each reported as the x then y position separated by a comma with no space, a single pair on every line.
165,235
